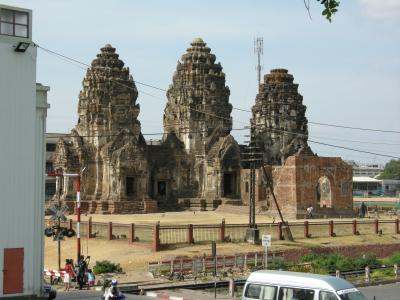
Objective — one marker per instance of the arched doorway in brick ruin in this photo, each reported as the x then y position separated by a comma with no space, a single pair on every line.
324,192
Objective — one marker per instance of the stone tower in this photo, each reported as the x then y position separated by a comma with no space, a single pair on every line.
107,140
279,123
198,99
198,115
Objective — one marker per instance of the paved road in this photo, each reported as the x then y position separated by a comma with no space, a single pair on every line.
91,295
382,292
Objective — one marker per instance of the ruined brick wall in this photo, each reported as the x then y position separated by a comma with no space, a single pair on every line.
323,182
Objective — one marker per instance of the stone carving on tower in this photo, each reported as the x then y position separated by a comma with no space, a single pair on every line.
279,124
107,140
197,114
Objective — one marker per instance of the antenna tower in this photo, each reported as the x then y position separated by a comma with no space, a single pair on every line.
258,50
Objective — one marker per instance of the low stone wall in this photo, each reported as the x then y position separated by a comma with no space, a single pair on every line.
380,250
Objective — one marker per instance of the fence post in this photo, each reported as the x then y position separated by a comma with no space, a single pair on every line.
70,224
131,233
156,237
338,273
109,231
306,229
396,226
279,231
190,239
89,229
231,287
376,226
331,233
367,274
396,271
222,231
354,227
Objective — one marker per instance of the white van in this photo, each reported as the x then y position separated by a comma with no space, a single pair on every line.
282,285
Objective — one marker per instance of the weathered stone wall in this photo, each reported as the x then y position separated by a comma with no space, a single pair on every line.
298,184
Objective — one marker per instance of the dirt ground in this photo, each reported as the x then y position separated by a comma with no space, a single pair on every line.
133,258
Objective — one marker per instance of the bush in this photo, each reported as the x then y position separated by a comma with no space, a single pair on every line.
105,266
277,264
329,263
395,258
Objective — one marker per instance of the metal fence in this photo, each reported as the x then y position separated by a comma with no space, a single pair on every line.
198,233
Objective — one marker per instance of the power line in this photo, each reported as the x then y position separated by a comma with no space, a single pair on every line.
66,58
352,149
355,128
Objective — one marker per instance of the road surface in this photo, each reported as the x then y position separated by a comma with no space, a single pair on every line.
382,292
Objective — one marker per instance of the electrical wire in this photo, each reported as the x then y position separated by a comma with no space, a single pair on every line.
66,58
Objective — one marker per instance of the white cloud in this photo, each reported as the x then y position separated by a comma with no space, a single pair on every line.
388,10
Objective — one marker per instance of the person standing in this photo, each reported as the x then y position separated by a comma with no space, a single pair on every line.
69,273
91,278
363,210
82,268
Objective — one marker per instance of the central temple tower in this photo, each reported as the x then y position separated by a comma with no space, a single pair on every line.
198,115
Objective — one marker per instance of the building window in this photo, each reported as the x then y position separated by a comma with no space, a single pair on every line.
49,167
50,147
247,186
50,189
14,23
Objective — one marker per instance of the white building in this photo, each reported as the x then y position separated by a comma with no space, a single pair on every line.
367,187
23,108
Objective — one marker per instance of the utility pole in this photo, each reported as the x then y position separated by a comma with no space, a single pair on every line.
253,159
259,51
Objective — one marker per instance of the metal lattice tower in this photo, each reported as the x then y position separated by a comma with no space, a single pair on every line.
258,50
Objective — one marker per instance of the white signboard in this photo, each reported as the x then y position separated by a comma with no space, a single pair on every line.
266,240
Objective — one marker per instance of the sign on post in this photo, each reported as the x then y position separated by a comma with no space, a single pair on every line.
266,242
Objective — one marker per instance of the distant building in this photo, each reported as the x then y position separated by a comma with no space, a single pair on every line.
23,109
391,187
366,170
366,187
51,144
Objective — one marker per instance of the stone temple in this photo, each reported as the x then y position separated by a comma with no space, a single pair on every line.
197,164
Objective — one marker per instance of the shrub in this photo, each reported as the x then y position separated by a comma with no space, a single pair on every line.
329,263
277,264
395,258
105,266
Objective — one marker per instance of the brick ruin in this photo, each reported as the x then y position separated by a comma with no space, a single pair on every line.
300,177
197,164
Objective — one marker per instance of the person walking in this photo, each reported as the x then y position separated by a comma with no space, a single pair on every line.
69,273
310,210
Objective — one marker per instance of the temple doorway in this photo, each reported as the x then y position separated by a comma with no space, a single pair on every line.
130,186
229,184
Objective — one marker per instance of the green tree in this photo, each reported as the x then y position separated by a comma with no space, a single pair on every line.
330,8
392,170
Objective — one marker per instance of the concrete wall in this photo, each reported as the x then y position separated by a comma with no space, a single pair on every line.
22,122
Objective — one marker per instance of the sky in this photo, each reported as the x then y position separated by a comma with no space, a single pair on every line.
348,71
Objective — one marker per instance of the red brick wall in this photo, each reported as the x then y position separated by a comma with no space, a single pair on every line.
295,183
